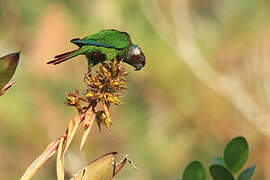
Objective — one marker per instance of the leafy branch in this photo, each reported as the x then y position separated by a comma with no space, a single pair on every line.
224,168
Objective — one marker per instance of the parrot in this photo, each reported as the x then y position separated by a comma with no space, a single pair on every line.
105,45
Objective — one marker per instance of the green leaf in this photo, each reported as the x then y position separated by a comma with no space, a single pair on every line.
219,172
247,173
236,154
194,171
8,65
219,160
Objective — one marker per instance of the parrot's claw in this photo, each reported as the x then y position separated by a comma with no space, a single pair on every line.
88,75
89,72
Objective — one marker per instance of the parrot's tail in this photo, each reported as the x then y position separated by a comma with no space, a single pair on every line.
63,57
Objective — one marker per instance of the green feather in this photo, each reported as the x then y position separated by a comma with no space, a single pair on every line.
114,38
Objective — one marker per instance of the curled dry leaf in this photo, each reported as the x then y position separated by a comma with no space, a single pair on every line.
72,128
8,65
60,160
103,168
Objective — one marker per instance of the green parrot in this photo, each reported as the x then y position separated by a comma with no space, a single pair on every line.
105,46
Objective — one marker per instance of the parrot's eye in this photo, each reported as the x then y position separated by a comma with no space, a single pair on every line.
136,51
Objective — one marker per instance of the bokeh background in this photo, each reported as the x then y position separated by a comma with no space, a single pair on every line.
206,81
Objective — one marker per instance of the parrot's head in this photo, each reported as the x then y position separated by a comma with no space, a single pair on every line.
135,57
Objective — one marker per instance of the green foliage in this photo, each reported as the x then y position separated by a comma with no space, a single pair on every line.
219,160
194,171
219,172
223,168
8,65
236,154
247,173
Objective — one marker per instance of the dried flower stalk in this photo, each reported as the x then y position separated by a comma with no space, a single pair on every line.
104,88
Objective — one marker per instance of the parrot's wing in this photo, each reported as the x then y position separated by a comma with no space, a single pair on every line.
106,38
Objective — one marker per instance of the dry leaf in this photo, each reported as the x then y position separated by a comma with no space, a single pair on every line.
104,168
72,128
100,169
89,121
60,161
34,167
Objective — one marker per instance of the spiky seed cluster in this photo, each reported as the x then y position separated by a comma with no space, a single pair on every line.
108,83
105,87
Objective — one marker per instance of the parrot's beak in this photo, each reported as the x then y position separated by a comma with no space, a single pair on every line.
138,67
141,60
135,58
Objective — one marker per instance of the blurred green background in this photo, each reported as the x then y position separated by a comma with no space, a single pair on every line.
171,114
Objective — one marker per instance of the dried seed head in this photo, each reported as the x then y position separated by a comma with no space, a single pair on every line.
105,86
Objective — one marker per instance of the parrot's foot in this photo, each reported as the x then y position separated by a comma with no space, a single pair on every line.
88,74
